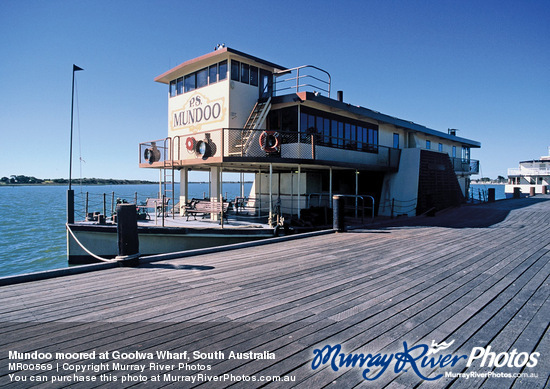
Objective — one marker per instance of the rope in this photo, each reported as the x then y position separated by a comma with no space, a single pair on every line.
85,249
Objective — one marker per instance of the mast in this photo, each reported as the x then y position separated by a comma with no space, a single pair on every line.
70,192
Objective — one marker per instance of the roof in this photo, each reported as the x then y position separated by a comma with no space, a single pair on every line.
369,113
167,76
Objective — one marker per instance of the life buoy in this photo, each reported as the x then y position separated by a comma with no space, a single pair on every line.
190,143
270,141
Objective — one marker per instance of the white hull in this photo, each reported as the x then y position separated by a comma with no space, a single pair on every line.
101,240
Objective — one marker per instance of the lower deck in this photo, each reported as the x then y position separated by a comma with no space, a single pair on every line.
475,275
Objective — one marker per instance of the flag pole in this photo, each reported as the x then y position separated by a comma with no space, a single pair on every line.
70,192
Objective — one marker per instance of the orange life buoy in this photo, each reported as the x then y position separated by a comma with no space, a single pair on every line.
270,141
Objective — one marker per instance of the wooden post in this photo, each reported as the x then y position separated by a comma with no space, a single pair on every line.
127,233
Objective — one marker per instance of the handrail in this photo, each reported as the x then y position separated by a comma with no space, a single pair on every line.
297,78
362,197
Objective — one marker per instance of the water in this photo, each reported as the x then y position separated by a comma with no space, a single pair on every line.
32,219
477,189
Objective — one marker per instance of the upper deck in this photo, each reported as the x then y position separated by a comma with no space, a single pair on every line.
231,109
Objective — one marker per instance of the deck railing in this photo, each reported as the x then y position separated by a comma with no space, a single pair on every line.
268,145
306,78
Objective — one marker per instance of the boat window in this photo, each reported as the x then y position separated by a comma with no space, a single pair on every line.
213,74
235,70
179,85
440,147
340,134
395,140
202,78
254,75
303,122
326,130
360,138
245,73
334,132
347,134
172,88
465,154
428,145
454,151
319,127
222,70
189,82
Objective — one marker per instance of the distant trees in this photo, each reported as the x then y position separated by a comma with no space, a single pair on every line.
21,180
26,180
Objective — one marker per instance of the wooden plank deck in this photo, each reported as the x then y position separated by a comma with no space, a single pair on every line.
478,275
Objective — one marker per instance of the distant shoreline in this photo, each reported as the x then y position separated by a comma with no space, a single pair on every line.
114,182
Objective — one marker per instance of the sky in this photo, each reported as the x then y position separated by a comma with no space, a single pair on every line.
481,67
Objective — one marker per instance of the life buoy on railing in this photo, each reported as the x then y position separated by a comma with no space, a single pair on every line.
190,143
270,141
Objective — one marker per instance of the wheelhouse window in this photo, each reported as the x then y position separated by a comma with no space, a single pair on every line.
213,74
199,79
202,78
428,145
235,70
190,82
222,70
454,152
440,147
172,88
254,75
245,73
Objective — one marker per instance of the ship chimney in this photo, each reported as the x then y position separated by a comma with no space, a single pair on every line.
340,96
452,131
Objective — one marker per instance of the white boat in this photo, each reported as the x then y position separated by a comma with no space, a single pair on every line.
231,112
530,178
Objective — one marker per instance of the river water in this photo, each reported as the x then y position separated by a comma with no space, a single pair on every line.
32,219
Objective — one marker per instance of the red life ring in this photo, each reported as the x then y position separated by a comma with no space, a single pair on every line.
190,143
270,141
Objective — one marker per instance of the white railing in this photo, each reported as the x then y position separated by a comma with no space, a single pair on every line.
529,171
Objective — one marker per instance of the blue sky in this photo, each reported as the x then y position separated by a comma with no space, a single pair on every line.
479,66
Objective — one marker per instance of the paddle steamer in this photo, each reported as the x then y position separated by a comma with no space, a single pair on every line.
232,112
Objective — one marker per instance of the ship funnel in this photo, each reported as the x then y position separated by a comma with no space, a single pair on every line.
340,96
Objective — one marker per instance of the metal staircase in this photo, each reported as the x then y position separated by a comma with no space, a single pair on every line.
257,116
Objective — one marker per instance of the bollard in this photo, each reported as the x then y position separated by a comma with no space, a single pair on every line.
532,191
70,206
491,195
338,214
517,192
127,233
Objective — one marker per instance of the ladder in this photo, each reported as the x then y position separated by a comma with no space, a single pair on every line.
257,116
168,187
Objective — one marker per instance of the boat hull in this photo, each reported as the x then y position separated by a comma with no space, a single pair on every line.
101,240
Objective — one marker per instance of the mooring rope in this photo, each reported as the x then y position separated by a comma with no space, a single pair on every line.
86,250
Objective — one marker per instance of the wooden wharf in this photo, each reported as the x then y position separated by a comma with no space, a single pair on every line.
476,275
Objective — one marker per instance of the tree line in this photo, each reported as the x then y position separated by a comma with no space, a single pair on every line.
25,180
